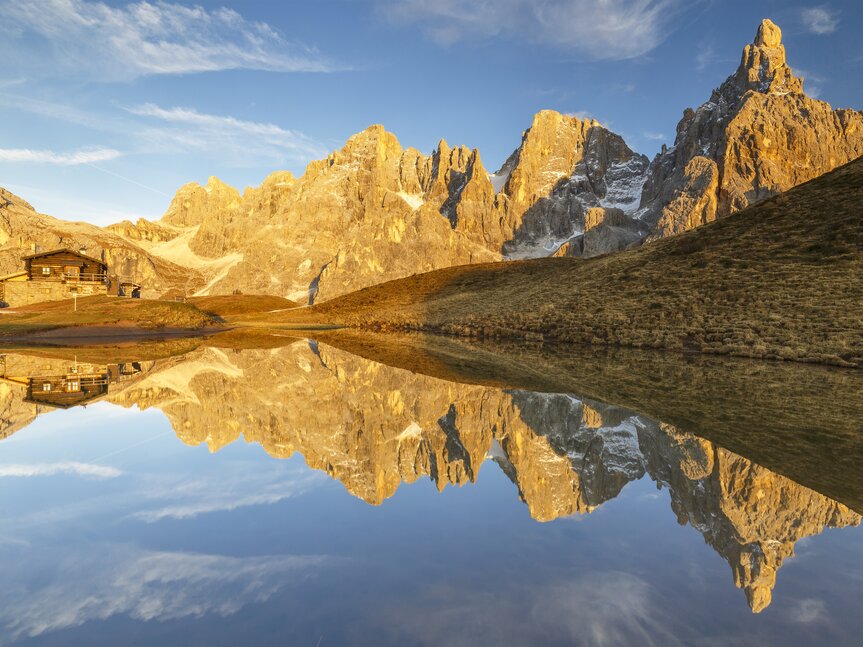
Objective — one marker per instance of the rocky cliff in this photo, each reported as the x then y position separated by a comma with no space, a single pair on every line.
369,212
374,211
568,176
758,135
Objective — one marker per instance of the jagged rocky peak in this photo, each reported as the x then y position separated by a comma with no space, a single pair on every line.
762,67
758,135
270,196
564,166
193,203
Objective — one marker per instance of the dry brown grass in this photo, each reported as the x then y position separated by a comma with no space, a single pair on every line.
103,311
780,280
240,304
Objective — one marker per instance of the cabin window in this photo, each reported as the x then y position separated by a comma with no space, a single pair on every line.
46,386
46,271
73,386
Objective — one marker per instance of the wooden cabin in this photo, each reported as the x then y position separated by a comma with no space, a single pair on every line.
60,383
54,275
66,391
65,265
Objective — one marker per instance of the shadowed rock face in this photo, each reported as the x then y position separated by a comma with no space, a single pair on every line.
373,427
758,135
565,169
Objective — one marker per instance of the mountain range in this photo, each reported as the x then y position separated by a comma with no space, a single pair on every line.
375,211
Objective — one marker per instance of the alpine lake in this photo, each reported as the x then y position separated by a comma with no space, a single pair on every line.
410,490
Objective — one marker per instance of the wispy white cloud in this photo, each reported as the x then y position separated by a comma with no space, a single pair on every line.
235,138
144,38
86,470
608,608
101,121
653,136
610,29
808,610
75,158
195,118
820,20
200,498
153,129
11,83
706,56
112,580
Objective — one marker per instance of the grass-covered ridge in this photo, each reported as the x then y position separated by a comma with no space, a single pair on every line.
112,316
782,279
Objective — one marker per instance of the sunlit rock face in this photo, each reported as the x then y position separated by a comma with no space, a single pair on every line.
758,135
380,426
369,212
373,427
374,211
24,231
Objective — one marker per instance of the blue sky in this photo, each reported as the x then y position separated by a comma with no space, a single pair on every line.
107,107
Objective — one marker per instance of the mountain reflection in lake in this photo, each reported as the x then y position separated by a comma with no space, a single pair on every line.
114,530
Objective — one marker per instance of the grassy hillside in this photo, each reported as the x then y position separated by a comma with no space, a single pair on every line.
782,279
113,315
240,304
103,311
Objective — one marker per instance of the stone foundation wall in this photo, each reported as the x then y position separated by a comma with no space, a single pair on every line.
22,293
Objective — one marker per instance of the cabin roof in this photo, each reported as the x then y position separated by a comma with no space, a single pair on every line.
64,250
6,277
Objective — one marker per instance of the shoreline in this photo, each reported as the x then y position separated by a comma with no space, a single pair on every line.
87,335
95,335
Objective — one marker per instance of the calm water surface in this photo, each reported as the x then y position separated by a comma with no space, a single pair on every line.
303,495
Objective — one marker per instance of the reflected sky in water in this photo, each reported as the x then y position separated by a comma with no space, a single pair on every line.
433,513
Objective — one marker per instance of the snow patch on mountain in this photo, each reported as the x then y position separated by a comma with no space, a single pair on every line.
499,181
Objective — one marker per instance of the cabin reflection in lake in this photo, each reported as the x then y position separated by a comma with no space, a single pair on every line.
374,427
